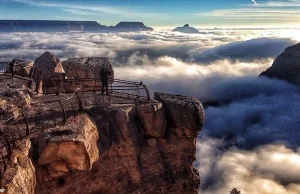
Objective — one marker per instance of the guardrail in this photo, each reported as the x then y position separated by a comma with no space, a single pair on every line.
127,89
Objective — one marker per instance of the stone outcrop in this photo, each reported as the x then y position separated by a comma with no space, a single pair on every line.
20,174
72,146
186,29
47,66
87,67
137,155
23,67
286,66
153,119
184,114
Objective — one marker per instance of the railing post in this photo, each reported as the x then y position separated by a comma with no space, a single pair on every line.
146,89
79,102
57,87
64,113
27,125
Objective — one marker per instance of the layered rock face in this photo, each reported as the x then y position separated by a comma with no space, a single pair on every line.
186,29
87,67
140,150
286,66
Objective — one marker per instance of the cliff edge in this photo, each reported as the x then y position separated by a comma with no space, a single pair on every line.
286,66
132,148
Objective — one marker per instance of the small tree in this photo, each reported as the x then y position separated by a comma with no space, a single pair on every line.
235,191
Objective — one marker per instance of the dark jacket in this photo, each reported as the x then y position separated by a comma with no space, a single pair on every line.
11,66
104,74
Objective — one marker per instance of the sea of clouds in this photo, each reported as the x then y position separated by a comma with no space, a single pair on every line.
251,141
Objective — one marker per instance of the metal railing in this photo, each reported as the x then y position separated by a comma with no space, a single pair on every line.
121,88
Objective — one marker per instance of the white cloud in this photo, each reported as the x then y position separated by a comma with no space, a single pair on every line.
264,10
268,169
254,2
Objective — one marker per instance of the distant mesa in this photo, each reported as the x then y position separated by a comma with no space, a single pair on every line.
68,26
131,27
186,29
286,66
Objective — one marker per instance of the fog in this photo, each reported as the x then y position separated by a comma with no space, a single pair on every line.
251,141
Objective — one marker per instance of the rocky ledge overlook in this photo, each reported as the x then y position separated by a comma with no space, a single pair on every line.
138,147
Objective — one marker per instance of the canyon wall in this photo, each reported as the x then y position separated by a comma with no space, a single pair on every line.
134,148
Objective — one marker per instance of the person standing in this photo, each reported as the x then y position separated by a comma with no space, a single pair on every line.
12,68
104,73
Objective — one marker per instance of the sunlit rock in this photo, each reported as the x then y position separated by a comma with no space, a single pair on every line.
184,114
22,67
87,67
47,66
72,146
152,117
20,174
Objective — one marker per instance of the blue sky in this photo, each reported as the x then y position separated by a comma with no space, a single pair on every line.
159,13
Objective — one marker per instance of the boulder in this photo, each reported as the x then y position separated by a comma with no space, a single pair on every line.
19,176
23,67
186,29
47,66
184,114
286,66
153,120
72,146
87,67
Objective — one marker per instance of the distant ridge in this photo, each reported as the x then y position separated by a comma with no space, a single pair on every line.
67,26
186,29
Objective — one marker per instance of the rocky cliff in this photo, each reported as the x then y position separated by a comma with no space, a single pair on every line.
286,66
133,148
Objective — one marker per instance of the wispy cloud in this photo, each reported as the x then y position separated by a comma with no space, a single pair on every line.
65,6
86,9
259,10
254,2
280,3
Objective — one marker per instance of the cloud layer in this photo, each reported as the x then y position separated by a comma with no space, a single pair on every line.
267,169
246,140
